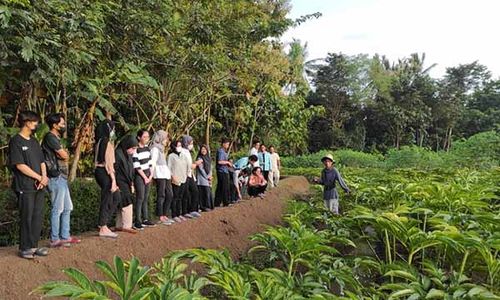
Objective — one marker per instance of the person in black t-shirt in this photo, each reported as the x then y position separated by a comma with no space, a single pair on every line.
56,159
30,179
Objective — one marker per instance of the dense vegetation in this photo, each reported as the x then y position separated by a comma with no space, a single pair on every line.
404,234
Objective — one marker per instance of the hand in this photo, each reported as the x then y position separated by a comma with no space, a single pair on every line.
230,164
316,179
175,180
151,178
146,180
114,187
44,181
132,189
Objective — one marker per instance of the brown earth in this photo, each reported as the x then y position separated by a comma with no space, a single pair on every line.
227,227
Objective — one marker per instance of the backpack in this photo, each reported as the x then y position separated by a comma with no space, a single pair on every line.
50,159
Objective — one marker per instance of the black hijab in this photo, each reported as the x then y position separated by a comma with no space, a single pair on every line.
102,136
173,148
207,161
124,164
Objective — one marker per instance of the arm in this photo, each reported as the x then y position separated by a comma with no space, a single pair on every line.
62,154
279,162
109,164
23,168
341,181
155,153
137,167
201,170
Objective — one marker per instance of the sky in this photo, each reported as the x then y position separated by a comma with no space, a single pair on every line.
449,32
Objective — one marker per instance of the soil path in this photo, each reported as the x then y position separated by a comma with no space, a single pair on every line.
227,227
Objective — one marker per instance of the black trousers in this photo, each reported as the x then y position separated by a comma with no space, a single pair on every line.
141,198
191,195
256,190
178,206
266,175
31,206
109,201
164,196
223,192
125,192
206,199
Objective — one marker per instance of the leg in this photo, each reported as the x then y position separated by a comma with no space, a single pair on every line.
104,181
127,216
66,214
139,198
57,195
271,179
218,190
226,189
160,196
276,175
169,195
26,203
194,195
175,201
252,191
145,202
37,218
335,206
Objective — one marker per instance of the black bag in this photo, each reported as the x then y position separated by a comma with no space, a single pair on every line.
51,162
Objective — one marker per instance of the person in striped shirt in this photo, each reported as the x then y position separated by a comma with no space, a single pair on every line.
144,177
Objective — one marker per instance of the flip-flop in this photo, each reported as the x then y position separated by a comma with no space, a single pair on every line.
110,235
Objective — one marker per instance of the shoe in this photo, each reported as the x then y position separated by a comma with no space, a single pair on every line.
27,254
177,219
129,230
189,216
138,226
110,235
72,240
56,244
147,223
41,252
167,222
195,214
182,218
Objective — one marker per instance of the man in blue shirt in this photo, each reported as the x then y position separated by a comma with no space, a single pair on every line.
265,161
223,192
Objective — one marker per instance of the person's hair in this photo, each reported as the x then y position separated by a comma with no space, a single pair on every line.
263,145
141,132
27,116
225,140
53,119
271,147
255,142
253,158
254,170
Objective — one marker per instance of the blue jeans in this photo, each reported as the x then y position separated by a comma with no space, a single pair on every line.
61,208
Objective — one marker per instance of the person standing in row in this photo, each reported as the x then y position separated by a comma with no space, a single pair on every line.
223,193
105,175
143,179
179,168
125,174
191,192
204,178
275,167
26,161
255,148
56,159
265,162
162,176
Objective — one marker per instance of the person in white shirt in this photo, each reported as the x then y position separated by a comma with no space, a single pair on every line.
255,148
191,192
275,167
162,176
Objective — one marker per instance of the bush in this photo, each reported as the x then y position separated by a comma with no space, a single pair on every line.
480,151
344,157
85,194
414,157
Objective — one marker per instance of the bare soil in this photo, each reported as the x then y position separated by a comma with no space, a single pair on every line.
227,227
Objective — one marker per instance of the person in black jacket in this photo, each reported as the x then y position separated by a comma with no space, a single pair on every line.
125,175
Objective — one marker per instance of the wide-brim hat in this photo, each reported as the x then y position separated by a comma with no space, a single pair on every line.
328,156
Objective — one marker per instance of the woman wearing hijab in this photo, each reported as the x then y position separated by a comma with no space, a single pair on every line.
105,175
179,168
162,176
125,174
191,193
204,178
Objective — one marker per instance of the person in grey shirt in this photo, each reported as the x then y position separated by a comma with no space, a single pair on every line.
204,178
329,176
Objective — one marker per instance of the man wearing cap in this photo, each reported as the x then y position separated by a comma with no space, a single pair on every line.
329,176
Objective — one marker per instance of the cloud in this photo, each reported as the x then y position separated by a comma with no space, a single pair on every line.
449,32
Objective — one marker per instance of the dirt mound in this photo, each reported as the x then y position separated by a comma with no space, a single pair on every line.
227,227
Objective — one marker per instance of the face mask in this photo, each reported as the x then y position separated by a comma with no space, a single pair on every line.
62,129
178,149
190,147
112,135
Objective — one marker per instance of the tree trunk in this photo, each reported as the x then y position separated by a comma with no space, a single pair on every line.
64,109
82,136
207,128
